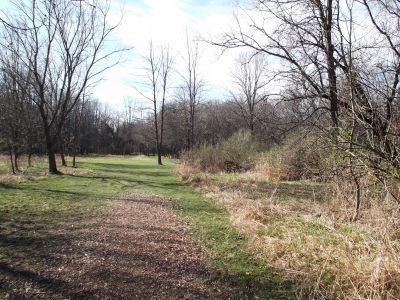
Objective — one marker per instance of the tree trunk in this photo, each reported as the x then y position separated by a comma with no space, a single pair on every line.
251,123
333,94
61,143
74,147
51,155
11,159
159,154
157,135
16,156
52,161
161,131
192,130
159,160
74,160
358,199
30,158
63,161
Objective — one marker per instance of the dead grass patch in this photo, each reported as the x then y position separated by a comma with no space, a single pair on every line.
303,229
74,171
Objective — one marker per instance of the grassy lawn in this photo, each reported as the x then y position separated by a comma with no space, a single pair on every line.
37,216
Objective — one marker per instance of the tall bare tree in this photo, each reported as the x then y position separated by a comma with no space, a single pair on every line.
158,70
189,93
166,68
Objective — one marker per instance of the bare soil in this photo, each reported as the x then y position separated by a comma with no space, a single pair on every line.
140,250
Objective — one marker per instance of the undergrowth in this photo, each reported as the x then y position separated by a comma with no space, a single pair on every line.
304,230
240,149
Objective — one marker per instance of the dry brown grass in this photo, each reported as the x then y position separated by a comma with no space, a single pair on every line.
74,171
304,230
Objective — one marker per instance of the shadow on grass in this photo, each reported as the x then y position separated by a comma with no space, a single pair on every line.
51,285
28,253
6,185
80,264
31,253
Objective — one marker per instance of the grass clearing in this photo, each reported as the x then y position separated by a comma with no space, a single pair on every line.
38,217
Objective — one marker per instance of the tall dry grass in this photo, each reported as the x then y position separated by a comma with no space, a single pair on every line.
310,237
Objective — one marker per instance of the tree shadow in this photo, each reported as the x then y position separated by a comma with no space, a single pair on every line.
67,258
81,264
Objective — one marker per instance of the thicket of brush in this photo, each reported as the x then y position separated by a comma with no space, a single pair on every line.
297,205
241,149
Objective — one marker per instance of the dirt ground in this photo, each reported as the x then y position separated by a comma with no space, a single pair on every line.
140,250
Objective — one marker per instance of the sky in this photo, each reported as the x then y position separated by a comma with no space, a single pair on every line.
167,23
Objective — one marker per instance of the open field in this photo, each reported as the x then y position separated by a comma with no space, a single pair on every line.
46,223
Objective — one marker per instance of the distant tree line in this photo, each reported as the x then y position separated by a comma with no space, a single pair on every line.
93,127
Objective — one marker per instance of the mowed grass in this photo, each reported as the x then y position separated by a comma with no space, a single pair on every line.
38,216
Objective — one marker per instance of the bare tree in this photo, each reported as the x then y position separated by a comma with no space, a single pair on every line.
13,127
73,128
250,81
189,93
19,116
64,47
167,63
158,69
301,35
129,109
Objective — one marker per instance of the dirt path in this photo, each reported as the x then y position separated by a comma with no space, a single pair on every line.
140,251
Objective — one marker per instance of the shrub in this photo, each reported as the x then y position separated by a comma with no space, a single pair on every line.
203,158
241,149
301,156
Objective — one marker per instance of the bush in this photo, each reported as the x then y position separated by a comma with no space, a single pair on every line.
301,156
204,158
241,149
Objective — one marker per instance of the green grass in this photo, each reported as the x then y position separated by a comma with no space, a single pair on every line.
35,216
